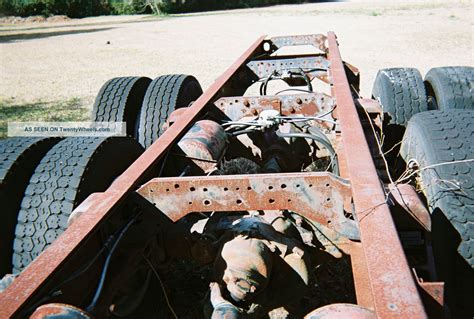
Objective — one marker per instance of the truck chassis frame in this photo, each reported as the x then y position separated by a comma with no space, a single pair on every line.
384,281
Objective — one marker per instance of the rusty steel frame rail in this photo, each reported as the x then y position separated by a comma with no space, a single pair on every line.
391,288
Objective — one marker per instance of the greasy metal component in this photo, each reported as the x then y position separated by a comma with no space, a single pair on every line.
59,311
406,196
204,144
337,311
318,196
394,291
284,245
316,40
99,208
333,243
223,309
265,68
248,266
238,107
257,260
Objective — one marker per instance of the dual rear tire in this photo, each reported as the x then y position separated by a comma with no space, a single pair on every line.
144,105
403,93
441,143
434,120
18,158
69,172
451,87
42,180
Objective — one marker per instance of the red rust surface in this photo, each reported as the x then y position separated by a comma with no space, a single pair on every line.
318,196
338,311
239,107
392,285
59,310
265,68
174,116
435,290
316,40
99,207
361,277
408,199
432,294
205,144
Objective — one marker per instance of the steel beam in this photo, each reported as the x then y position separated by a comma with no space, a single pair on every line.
391,282
317,196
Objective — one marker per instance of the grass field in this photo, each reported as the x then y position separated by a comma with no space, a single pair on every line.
67,110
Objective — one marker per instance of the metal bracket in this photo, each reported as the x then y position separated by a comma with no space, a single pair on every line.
267,67
317,196
406,196
238,107
316,40
432,294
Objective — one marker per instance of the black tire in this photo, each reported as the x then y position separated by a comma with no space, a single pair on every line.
451,87
165,94
119,100
401,92
433,138
18,159
72,170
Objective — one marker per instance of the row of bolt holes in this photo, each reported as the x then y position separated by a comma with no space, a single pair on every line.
253,102
239,201
292,111
280,63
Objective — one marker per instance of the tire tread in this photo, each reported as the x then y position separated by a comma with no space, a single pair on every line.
436,137
63,178
401,93
160,100
453,87
119,100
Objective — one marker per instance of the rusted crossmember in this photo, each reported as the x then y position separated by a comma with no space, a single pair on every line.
318,196
319,41
237,107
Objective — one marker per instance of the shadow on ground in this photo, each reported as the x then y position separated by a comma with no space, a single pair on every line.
39,35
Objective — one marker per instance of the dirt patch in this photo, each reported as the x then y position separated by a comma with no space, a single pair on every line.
33,19
52,61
